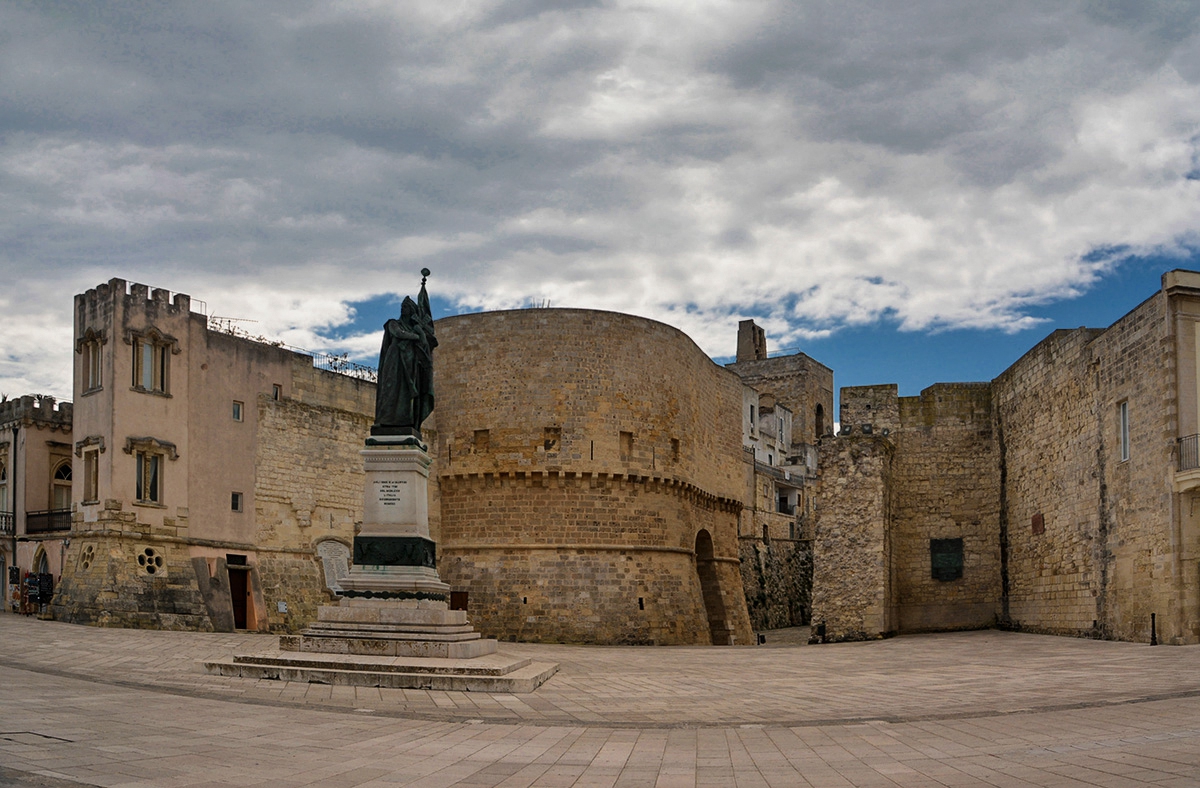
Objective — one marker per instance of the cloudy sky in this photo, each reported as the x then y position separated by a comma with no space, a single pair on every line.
911,191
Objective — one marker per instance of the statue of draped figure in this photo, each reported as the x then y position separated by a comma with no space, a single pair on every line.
404,394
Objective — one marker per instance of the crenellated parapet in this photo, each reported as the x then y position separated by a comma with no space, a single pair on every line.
39,409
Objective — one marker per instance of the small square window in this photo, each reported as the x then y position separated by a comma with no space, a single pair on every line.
237,410
946,559
235,502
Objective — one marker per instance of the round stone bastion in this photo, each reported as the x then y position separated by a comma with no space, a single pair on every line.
588,478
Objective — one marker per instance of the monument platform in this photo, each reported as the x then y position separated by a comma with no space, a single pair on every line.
392,626
489,673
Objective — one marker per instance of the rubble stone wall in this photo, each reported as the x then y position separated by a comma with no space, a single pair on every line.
852,561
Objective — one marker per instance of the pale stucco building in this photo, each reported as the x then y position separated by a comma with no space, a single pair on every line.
35,490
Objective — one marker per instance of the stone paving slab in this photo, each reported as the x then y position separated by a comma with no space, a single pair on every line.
128,708
903,679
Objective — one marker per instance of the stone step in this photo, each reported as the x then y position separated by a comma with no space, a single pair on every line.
490,665
371,644
385,630
520,680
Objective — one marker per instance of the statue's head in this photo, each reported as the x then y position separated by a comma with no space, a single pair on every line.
408,308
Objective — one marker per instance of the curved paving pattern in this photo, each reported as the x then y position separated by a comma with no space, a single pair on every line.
121,707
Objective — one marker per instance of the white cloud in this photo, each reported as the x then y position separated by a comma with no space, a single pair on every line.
815,164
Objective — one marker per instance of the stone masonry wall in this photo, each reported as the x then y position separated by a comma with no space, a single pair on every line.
946,484
606,438
308,487
125,573
1089,534
1140,574
1053,530
852,575
796,382
777,578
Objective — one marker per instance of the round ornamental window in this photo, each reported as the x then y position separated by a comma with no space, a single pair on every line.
87,556
150,560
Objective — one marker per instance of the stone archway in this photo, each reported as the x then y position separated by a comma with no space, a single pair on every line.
710,589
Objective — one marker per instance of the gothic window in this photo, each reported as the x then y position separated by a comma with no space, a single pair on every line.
150,365
91,366
149,477
152,351
89,347
61,486
3,484
91,476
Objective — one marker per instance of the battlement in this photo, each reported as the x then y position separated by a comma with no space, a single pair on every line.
133,292
36,409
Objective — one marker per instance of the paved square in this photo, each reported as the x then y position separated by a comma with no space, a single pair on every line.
132,708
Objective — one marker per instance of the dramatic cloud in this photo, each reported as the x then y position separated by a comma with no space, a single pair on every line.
813,164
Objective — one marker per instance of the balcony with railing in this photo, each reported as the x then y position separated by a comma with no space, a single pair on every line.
1187,469
1189,453
47,521
7,524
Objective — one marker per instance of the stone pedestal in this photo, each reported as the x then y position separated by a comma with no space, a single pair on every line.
394,556
394,603
393,626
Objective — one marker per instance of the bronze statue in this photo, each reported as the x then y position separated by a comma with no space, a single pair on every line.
404,395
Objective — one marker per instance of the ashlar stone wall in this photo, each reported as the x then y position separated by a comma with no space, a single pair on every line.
946,484
1055,521
580,456
1090,535
797,382
308,488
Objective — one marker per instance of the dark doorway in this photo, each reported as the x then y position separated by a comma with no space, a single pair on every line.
710,588
238,590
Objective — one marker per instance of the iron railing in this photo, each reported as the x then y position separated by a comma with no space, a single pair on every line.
8,524
47,521
1189,452
330,362
343,366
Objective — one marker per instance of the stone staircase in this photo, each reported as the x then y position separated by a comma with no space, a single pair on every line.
487,673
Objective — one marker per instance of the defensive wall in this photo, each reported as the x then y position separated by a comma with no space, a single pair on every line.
1059,498
590,478
1097,537
585,489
